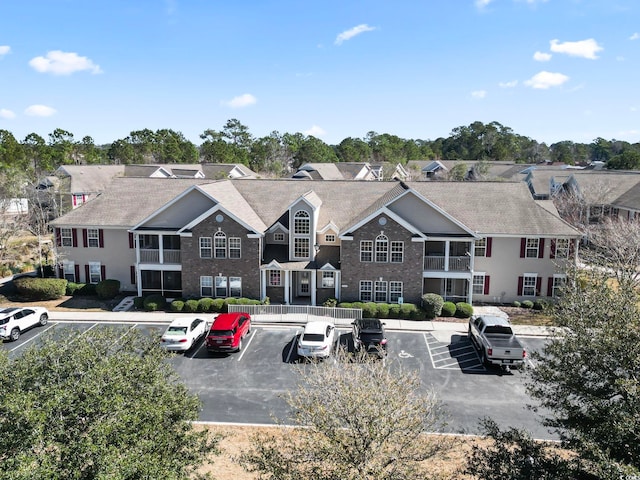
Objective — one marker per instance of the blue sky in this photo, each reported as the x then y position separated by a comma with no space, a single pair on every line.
551,70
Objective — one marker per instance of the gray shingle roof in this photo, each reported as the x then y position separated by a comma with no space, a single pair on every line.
90,178
485,207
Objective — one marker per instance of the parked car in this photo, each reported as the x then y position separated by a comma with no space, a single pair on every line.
183,333
227,332
15,320
496,342
317,339
369,335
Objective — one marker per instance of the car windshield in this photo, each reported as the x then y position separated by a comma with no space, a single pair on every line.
313,337
500,329
221,333
176,330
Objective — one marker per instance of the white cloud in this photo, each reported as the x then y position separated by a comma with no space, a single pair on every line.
482,3
4,113
4,49
544,80
349,34
39,111
510,84
635,36
582,48
63,63
479,93
315,131
542,57
241,101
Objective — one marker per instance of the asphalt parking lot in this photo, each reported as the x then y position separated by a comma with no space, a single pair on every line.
246,387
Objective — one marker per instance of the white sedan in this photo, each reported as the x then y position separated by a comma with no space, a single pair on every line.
317,339
183,333
15,320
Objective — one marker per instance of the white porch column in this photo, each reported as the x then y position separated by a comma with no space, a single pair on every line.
160,249
287,282
314,282
263,284
336,286
470,291
446,256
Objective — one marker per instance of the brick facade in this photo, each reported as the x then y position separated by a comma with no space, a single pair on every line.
409,271
246,267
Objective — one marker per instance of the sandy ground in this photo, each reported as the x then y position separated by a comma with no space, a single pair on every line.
238,438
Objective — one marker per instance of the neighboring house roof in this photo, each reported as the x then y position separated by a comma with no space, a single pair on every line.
89,178
603,187
355,170
488,208
146,171
219,171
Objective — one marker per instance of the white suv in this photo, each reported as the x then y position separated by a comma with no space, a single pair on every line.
15,320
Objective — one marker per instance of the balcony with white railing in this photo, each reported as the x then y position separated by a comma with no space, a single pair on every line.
439,263
153,256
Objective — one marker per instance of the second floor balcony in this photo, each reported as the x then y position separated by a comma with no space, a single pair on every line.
154,255
440,263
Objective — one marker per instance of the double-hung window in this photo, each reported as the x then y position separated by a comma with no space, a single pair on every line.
529,284
531,250
395,291
562,248
206,250
95,274
234,247
93,237
235,287
221,287
66,237
206,286
397,252
478,284
380,291
366,251
366,290
559,282
480,249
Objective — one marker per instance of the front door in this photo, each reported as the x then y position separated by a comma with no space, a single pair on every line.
304,283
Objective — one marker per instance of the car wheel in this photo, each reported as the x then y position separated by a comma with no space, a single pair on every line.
44,318
15,334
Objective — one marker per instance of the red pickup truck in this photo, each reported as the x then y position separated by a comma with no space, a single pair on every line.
227,332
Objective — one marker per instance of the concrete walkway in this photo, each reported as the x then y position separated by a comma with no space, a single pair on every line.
391,324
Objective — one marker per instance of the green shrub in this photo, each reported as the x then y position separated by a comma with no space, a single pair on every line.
108,289
369,310
330,302
394,310
516,303
408,310
154,302
448,309
383,310
177,306
205,305
218,305
266,301
527,304
72,288
138,303
541,304
40,288
463,310
432,305
86,290
190,306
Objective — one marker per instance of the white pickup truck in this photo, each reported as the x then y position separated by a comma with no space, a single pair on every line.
496,342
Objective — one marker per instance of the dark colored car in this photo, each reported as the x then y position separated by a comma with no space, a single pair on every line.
228,331
368,335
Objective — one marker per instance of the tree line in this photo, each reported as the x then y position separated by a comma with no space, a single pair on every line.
277,153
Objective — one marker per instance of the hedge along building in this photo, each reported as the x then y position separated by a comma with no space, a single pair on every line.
305,242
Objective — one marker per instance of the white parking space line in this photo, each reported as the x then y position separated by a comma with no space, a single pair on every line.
244,347
293,342
32,338
195,354
426,341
